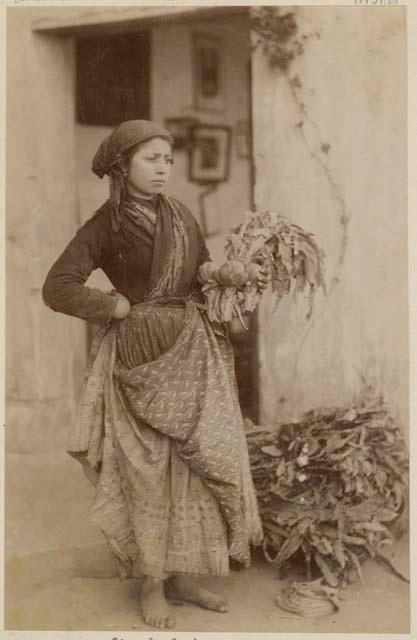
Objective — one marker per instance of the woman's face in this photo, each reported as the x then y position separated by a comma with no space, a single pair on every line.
149,167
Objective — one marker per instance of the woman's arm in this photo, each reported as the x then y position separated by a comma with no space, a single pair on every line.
64,289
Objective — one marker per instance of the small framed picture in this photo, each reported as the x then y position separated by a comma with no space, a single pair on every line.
210,154
208,67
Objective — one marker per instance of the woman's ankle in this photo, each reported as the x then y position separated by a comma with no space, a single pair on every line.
152,583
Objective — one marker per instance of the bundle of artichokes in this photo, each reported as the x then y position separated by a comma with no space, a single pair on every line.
264,240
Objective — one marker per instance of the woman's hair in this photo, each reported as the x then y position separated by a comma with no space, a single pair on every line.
117,193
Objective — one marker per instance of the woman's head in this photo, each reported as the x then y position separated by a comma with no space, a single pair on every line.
122,140
137,157
147,167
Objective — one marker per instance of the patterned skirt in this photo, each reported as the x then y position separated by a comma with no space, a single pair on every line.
160,420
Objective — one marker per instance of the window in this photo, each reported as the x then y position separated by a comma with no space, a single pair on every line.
113,78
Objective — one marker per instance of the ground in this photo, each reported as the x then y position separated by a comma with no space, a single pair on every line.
74,586
54,591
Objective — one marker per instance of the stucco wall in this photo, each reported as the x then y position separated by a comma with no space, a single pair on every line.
42,354
46,496
354,90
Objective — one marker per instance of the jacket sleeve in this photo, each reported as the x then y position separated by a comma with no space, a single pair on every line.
64,289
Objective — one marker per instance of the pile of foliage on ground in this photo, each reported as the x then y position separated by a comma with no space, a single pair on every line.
264,239
330,488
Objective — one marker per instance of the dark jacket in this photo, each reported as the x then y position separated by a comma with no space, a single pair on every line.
124,257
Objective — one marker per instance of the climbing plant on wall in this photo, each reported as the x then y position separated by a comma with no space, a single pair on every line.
278,35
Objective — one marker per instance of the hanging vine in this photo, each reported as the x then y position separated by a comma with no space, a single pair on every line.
277,33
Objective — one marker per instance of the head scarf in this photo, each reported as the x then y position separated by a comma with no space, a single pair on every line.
116,145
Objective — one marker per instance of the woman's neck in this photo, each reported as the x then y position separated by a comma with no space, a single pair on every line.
141,196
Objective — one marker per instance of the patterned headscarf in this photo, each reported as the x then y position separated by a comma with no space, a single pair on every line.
116,146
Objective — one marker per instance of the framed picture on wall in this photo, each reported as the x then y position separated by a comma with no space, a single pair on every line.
209,154
208,67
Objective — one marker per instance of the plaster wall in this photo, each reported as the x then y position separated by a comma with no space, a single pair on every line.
46,497
42,353
354,91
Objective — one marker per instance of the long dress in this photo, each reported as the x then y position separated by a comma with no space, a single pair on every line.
159,418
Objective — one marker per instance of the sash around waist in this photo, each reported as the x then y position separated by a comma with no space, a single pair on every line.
176,301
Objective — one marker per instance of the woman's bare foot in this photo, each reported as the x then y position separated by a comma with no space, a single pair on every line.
154,607
187,589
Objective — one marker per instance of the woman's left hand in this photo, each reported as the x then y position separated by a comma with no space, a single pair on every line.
264,279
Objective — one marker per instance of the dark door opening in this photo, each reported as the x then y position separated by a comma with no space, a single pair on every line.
113,78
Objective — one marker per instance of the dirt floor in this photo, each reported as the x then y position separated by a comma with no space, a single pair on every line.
60,575
77,590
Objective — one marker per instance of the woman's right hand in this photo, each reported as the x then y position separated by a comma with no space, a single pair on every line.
122,308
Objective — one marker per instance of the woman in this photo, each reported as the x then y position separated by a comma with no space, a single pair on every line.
160,430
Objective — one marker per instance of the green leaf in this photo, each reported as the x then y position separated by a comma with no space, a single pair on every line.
286,254
367,467
386,515
399,492
281,468
327,573
357,566
359,485
339,553
381,478
322,545
272,450
350,415
355,540
370,526
334,443
290,546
